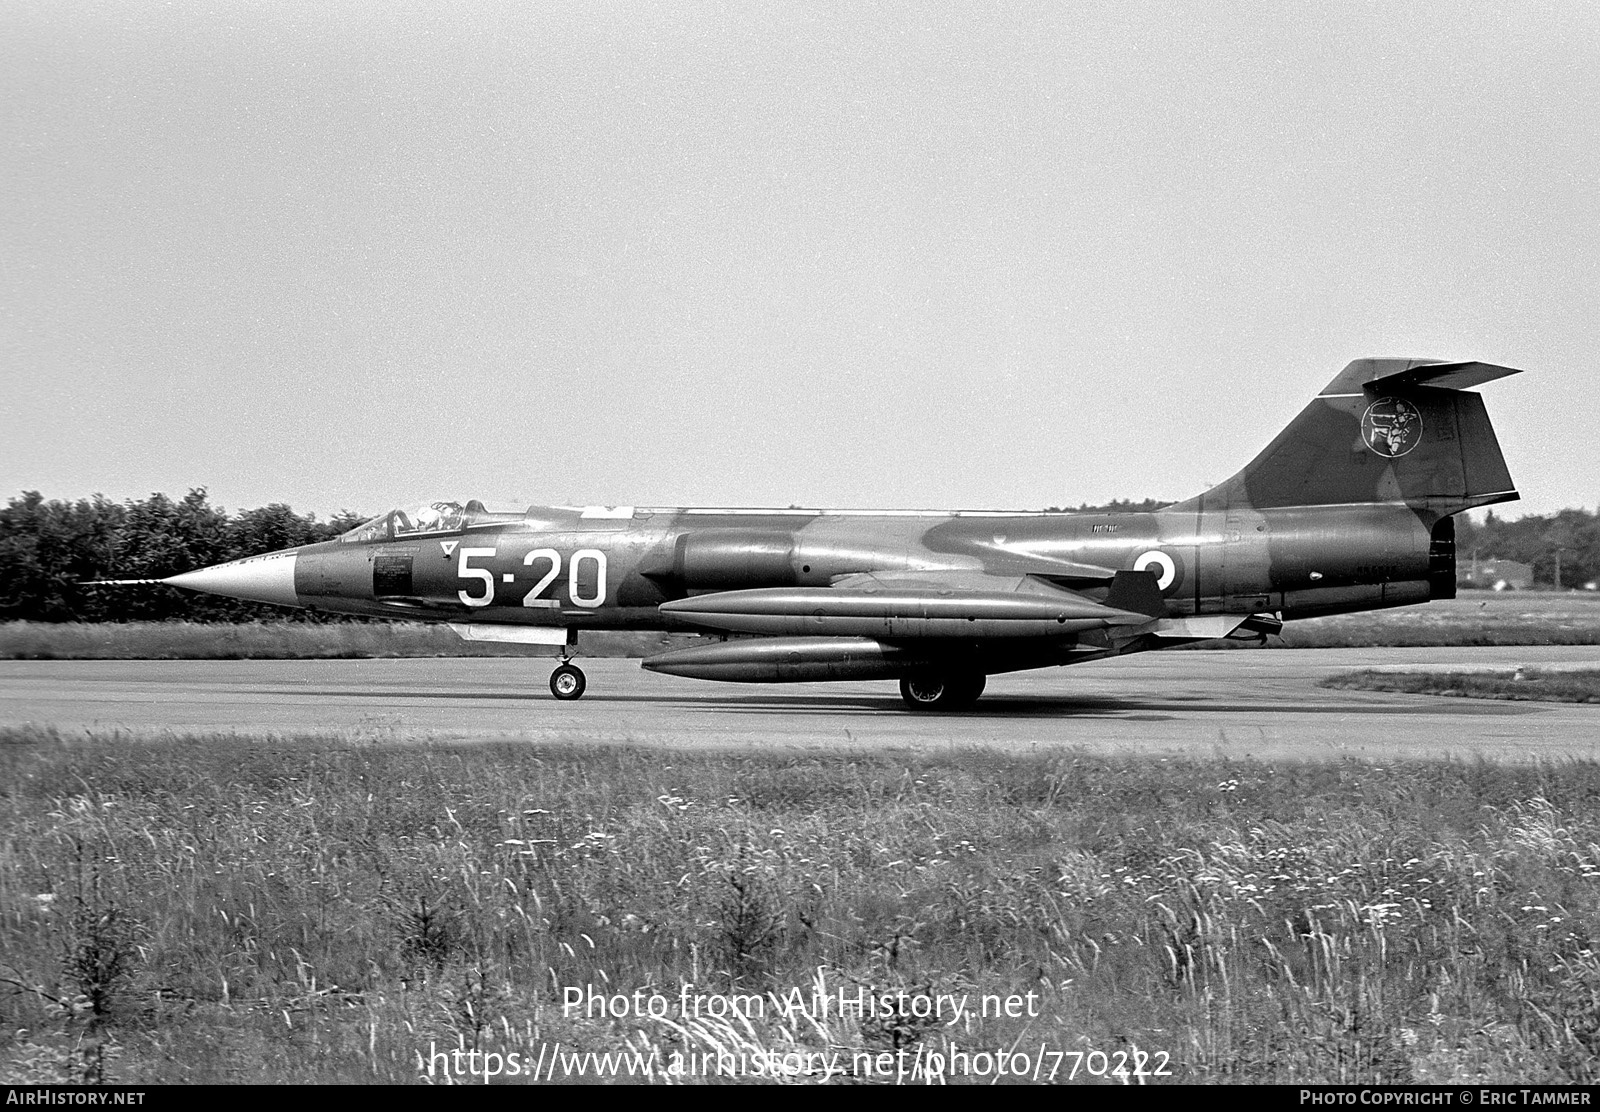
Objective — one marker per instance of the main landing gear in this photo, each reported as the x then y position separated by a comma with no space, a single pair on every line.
942,690
568,682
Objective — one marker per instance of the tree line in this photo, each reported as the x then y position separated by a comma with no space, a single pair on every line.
1562,548
49,548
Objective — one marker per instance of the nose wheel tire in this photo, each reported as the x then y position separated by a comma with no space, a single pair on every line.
567,682
939,691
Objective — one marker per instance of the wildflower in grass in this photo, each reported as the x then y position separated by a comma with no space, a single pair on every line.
593,841
1381,914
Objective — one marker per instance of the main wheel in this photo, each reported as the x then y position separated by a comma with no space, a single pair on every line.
970,688
567,682
941,691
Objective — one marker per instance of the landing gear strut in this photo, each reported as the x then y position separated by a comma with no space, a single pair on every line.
942,690
567,682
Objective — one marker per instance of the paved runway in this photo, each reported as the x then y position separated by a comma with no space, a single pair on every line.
1263,704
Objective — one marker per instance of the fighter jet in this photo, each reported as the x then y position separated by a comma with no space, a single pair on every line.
1349,508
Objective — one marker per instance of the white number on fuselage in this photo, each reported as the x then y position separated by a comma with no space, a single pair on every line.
483,574
554,557
590,601
599,595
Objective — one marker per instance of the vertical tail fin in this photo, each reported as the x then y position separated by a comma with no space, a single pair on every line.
1384,430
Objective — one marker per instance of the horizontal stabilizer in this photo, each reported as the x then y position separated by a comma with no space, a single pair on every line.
1441,376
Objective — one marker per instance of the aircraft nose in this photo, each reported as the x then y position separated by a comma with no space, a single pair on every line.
266,578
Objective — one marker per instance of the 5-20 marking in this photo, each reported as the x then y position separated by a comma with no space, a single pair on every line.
575,578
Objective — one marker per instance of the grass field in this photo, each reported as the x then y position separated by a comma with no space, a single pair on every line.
1473,618
1564,686
1479,618
281,641
218,909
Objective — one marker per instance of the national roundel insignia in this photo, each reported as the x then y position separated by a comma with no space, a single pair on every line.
1391,427
1162,564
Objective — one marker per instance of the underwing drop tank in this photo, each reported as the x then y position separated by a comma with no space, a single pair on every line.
784,660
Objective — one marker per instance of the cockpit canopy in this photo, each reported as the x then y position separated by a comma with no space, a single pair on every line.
430,518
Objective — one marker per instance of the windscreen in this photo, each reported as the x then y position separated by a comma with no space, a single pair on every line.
429,517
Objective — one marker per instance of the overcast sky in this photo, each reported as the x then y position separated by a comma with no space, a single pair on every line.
350,255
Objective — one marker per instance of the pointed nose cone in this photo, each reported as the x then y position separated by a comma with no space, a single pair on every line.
268,578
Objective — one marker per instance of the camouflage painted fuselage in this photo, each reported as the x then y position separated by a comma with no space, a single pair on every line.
614,568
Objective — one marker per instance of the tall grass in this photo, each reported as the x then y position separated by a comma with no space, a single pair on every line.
1473,618
1565,685
281,641
215,909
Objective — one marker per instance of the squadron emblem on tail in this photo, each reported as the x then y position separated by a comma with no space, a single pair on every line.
1391,427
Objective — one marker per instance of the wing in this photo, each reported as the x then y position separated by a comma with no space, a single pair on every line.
910,606
888,624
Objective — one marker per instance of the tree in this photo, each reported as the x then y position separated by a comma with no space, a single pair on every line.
48,548
159,538
1116,505
269,529
1563,549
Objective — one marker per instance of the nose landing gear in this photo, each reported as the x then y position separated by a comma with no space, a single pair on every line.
568,682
